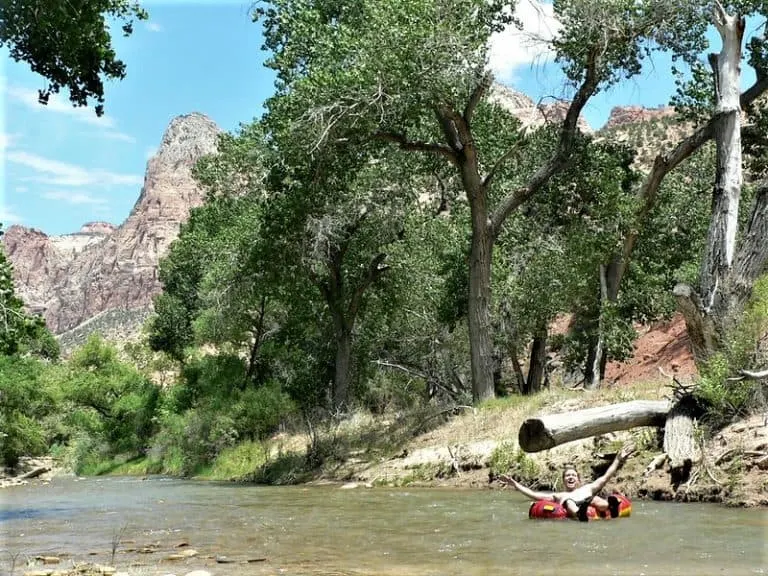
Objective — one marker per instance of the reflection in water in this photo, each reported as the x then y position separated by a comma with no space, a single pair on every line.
325,530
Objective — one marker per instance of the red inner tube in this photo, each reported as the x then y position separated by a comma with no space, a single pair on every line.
548,509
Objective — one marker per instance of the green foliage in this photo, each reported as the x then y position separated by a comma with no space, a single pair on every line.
24,405
241,462
68,43
170,329
508,459
212,408
725,398
210,377
113,402
744,346
258,412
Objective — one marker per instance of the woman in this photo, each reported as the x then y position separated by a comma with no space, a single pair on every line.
577,498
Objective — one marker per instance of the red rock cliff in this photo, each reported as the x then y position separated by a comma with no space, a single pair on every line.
74,277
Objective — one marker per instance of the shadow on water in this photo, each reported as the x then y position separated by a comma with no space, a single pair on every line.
325,530
32,513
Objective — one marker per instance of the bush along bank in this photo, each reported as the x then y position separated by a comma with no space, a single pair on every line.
97,414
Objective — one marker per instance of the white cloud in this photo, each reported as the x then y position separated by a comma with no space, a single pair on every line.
154,27
59,105
150,151
63,174
513,48
6,141
21,189
72,197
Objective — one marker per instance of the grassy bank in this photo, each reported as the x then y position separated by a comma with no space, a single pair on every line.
470,446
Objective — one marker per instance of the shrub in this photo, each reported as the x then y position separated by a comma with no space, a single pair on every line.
210,377
257,412
727,399
187,442
508,459
23,405
110,399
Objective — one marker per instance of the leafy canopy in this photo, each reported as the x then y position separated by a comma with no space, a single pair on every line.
68,43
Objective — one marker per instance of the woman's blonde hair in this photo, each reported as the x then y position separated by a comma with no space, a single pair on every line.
570,467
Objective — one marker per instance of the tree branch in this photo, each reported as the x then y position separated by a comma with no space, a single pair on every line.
446,118
414,145
499,163
401,367
754,375
477,96
559,159
663,165
375,270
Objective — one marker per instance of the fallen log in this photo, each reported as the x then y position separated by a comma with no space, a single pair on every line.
550,430
34,473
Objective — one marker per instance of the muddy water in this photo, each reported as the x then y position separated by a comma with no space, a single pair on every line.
326,530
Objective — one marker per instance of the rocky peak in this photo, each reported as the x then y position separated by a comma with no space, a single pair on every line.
106,268
623,115
16,235
529,113
187,138
99,228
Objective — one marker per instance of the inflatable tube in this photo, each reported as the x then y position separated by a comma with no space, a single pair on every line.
548,509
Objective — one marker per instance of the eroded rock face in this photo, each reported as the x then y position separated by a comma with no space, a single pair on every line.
623,115
37,264
528,112
74,277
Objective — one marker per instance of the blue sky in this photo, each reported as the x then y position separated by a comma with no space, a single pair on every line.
62,166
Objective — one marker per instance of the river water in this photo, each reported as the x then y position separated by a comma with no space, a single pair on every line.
327,530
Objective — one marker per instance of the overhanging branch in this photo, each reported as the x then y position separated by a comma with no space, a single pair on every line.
559,159
414,145
477,96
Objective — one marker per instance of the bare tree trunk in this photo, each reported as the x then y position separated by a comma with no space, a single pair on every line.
538,361
343,369
518,370
595,370
663,165
710,313
680,440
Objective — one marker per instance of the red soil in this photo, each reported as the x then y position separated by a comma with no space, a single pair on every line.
665,346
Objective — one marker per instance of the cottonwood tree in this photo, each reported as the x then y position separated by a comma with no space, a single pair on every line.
216,288
68,43
419,86
330,222
715,101
557,241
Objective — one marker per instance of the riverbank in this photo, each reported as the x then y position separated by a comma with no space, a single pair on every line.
469,446
473,447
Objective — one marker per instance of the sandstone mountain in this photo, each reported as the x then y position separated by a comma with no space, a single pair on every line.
104,277
73,278
528,112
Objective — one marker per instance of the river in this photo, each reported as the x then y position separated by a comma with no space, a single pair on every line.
326,530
